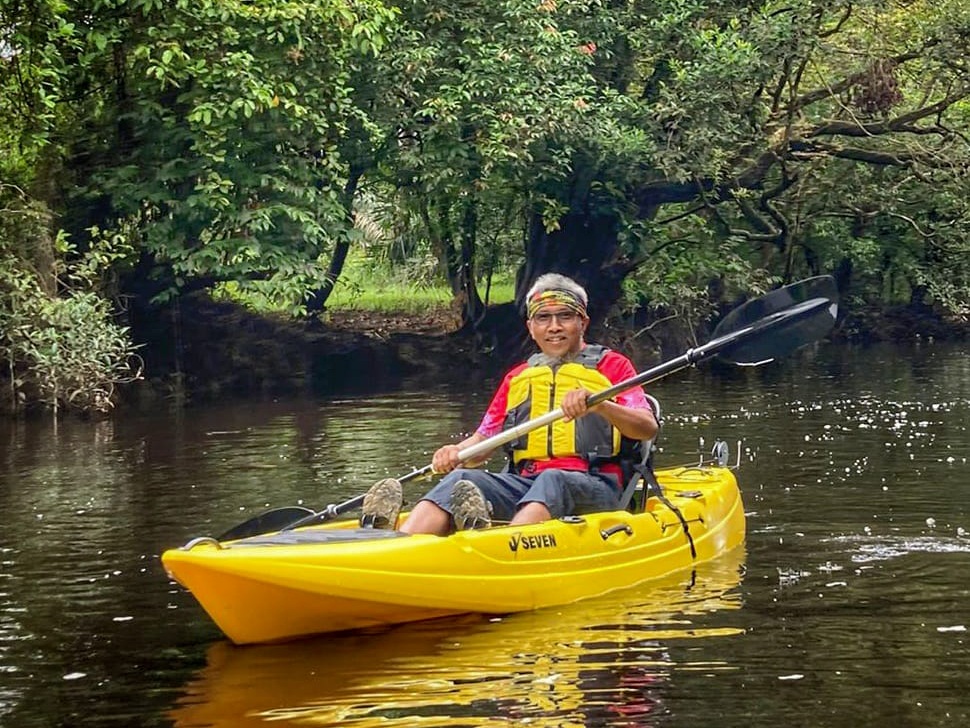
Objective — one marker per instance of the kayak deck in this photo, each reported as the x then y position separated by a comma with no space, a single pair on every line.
336,576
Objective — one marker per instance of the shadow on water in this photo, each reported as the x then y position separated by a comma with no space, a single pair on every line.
604,662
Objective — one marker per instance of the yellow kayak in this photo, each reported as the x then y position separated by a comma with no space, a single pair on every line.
336,576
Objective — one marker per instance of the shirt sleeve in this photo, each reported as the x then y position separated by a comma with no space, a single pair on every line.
617,368
494,419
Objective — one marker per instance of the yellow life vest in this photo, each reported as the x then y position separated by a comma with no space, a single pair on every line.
539,388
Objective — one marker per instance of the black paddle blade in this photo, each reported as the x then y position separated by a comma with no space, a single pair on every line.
796,315
268,522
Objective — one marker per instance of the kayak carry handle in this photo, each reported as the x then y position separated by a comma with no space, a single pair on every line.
605,533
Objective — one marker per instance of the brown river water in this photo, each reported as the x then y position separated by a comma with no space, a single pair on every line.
848,606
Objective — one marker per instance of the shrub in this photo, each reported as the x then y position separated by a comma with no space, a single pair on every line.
60,346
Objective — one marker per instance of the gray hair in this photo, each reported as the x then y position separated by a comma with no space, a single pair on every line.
557,282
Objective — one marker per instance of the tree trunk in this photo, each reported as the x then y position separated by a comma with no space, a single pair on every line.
472,306
318,298
586,248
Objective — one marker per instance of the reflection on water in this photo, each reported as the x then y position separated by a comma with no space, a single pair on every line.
853,608
601,662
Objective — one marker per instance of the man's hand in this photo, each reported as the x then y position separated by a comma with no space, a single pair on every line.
445,459
574,404
635,423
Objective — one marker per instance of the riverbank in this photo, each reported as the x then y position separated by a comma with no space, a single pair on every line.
206,350
217,349
214,349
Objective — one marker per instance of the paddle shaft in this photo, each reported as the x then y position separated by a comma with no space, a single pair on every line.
685,360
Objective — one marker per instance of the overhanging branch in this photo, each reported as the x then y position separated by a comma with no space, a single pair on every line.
902,123
804,150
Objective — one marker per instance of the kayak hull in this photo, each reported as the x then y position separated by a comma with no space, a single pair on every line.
337,577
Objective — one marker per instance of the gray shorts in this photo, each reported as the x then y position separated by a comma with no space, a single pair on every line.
563,492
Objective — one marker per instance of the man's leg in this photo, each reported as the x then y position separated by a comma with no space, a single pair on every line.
558,493
427,517
433,514
533,512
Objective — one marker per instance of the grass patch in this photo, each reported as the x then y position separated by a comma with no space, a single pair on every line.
411,287
365,285
390,294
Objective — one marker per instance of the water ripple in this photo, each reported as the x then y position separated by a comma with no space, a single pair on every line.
868,549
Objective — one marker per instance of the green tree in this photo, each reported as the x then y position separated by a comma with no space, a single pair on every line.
769,123
60,345
231,140
471,93
215,130
728,138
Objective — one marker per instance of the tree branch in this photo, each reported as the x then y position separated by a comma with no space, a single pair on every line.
810,97
803,150
903,123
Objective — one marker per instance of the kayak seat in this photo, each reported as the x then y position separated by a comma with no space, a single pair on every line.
643,483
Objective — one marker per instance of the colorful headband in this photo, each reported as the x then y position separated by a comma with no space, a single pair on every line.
558,296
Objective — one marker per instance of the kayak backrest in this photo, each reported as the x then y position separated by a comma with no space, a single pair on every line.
643,481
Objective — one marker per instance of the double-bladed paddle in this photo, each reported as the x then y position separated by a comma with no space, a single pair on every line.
754,333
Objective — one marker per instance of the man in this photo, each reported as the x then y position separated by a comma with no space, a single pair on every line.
568,467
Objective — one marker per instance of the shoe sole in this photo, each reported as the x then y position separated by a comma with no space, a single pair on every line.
469,509
382,505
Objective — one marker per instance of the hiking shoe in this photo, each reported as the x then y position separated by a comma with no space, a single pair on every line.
382,504
469,507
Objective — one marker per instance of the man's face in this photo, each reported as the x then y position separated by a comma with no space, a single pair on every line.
557,330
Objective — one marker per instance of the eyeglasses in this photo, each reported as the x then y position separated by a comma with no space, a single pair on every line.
544,318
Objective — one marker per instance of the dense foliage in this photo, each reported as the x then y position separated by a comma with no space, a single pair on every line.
648,149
